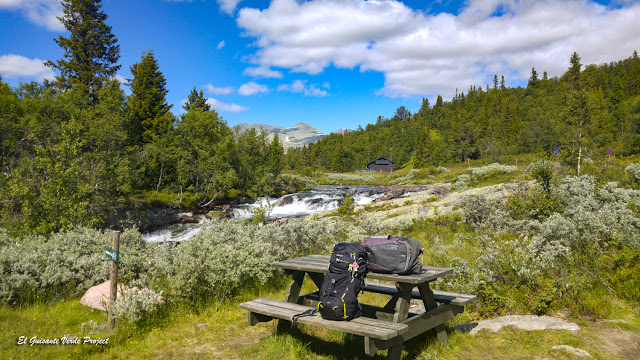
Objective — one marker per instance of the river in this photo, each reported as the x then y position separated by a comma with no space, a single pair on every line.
298,204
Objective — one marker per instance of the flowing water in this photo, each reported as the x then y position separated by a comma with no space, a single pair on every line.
291,205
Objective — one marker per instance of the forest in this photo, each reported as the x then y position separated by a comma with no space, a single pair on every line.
583,113
76,149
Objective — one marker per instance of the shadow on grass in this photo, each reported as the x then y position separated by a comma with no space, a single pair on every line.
335,345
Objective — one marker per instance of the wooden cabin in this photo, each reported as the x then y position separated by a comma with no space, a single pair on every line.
380,164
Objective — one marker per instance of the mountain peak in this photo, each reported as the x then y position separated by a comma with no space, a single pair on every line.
295,136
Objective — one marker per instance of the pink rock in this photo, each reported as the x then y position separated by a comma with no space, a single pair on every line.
97,297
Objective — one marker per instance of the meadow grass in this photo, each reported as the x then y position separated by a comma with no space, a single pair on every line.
219,330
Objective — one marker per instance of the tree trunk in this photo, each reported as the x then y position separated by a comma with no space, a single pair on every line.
160,178
580,146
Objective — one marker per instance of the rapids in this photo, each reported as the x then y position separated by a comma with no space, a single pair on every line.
298,204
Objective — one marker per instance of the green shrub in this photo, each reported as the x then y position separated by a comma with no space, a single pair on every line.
222,258
297,182
542,171
346,207
349,179
489,171
260,214
63,264
556,257
623,273
135,304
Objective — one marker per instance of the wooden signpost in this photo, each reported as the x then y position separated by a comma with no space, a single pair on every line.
112,254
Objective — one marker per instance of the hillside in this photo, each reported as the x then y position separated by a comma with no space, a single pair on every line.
583,113
291,137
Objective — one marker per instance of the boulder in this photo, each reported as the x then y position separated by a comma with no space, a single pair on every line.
571,349
97,297
524,322
389,195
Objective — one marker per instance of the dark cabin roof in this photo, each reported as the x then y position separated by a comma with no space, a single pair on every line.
380,161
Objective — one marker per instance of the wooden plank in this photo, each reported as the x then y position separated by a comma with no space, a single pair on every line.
293,293
429,320
255,318
440,296
319,264
361,326
431,305
282,308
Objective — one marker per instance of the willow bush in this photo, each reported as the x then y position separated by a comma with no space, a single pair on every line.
224,257
583,249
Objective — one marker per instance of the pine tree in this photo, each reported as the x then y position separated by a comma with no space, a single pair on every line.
196,101
91,52
573,74
150,112
502,84
276,152
424,108
402,114
422,155
495,81
339,164
533,80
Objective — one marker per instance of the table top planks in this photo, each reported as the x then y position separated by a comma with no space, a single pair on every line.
320,264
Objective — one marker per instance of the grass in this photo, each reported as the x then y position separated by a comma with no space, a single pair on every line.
219,330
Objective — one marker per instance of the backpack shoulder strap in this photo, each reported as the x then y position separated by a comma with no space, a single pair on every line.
310,312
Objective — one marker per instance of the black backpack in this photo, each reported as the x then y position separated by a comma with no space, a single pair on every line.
343,282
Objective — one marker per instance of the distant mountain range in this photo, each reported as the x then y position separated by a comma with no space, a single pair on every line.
294,136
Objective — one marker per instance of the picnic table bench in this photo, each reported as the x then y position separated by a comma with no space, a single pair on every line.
386,327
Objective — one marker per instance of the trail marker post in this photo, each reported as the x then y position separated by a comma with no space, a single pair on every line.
112,254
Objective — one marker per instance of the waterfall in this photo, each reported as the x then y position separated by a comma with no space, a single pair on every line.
307,202
298,204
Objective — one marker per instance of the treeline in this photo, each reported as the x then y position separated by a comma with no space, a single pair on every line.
585,112
74,149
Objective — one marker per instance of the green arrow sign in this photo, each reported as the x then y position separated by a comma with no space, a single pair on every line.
111,254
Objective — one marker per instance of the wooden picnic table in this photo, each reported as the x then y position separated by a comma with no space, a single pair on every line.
386,327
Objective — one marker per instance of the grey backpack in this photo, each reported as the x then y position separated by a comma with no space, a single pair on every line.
393,254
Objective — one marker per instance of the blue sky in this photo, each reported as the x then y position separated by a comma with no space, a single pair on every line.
331,63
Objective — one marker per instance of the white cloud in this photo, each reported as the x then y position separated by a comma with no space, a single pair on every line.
422,54
220,106
252,88
300,86
18,66
121,78
220,45
210,89
40,12
262,72
228,6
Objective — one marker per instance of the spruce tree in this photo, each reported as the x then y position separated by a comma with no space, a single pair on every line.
573,74
91,52
422,154
196,101
339,162
150,116
275,154
533,80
